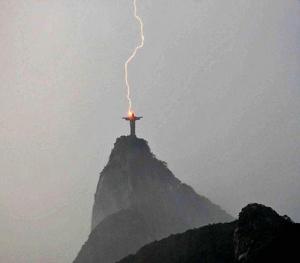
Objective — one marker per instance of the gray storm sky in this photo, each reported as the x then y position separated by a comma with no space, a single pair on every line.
217,83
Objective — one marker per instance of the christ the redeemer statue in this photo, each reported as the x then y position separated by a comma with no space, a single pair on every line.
132,119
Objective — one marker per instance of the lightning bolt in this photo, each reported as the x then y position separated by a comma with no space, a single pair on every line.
141,45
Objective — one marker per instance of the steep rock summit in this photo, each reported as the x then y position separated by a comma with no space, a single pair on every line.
139,200
134,178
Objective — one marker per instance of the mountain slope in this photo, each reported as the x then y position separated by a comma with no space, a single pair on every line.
211,243
260,235
139,200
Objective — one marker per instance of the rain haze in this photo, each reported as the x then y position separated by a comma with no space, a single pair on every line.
217,83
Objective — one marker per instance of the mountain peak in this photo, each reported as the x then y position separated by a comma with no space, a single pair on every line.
130,148
138,191
132,176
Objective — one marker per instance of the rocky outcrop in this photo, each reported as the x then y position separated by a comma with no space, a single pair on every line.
260,230
260,235
139,200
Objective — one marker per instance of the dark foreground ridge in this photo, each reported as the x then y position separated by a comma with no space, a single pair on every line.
260,235
139,200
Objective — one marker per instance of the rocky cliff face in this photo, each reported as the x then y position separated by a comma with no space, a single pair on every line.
259,236
139,200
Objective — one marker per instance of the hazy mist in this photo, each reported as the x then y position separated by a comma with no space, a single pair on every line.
217,83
